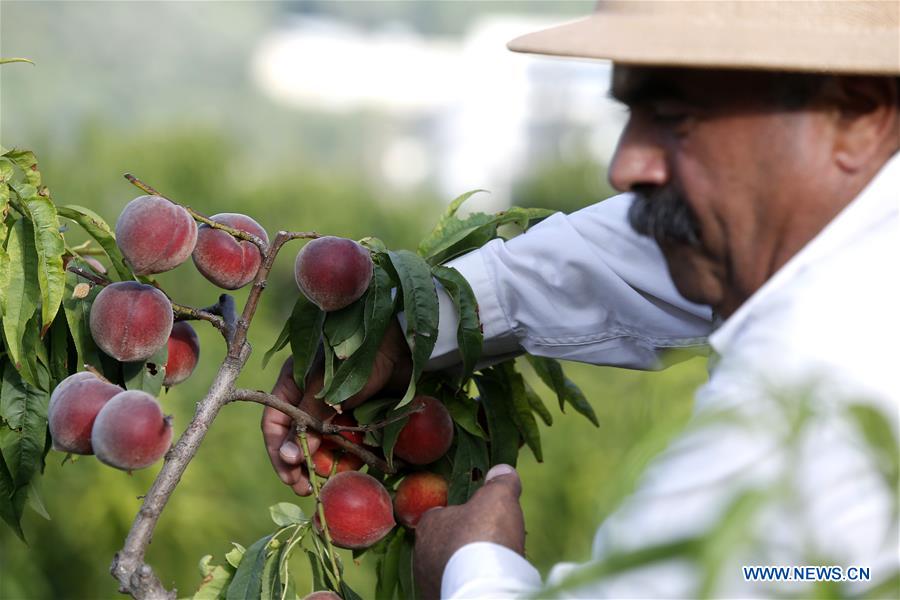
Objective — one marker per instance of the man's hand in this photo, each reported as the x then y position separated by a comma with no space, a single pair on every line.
390,371
493,514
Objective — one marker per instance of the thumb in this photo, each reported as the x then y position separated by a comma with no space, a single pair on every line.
506,476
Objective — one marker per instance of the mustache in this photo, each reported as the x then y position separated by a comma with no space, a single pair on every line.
663,214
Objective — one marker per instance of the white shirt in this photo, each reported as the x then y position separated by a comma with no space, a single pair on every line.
824,328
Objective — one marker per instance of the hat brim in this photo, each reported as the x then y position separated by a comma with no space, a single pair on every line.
642,39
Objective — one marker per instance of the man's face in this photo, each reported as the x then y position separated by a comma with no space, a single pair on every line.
724,175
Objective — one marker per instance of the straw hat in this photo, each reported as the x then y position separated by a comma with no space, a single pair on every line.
835,36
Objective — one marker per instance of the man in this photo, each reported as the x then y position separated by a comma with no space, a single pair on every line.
761,158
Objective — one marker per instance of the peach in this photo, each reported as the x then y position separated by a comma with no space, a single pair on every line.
333,272
357,508
184,352
226,261
427,435
74,405
131,321
417,493
155,235
329,453
130,431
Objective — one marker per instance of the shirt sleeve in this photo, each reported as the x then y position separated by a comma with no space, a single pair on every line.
484,570
582,287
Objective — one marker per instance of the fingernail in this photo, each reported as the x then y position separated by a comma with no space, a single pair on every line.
289,451
499,470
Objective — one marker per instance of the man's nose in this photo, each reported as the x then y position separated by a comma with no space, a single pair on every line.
639,160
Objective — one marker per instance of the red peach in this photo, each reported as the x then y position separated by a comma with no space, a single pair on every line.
224,260
184,352
130,321
74,405
155,235
418,493
358,510
130,431
427,435
333,272
325,457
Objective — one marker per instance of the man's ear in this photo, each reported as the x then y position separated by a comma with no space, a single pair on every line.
868,119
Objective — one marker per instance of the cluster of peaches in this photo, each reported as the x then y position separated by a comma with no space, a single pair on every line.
131,322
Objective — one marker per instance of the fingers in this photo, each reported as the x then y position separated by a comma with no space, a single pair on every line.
506,477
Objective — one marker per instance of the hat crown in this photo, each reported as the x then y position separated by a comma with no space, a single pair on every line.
828,15
840,36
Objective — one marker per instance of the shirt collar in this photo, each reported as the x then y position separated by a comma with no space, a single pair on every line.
877,202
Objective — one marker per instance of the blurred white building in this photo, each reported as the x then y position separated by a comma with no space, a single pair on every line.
478,115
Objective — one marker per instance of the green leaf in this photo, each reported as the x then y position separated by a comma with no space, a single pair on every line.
420,306
215,580
537,405
879,435
469,336
98,229
347,593
6,173
405,575
551,373
247,582
78,311
23,448
25,160
318,576
34,367
504,435
464,411
22,292
283,338
523,217
50,247
445,226
521,409
370,411
4,257
390,433
306,332
458,235
343,324
353,373
270,585
36,499
387,570
147,375
345,349
59,349
235,555
12,500
285,513
470,464
732,531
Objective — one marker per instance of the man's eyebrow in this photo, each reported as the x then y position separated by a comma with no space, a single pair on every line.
645,91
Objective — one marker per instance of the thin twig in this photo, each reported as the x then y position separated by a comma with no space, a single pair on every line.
181,311
314,484
238,233
328,430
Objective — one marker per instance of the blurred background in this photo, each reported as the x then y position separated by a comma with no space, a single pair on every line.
350,118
